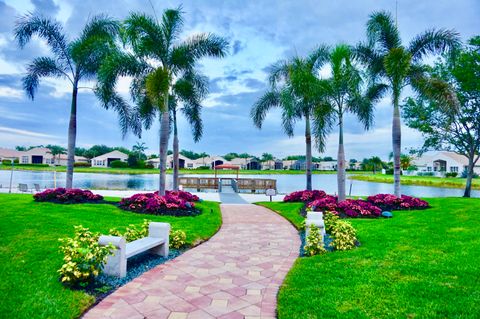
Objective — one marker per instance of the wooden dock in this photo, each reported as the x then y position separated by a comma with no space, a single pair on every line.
239,184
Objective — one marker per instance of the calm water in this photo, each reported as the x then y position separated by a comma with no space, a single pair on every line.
285,183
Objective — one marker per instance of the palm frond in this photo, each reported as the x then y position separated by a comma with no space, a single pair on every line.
41,67
172,23
322,123
260,109
145,36
278,71
318,57
367,55
433,42
382,31
436,90
192,112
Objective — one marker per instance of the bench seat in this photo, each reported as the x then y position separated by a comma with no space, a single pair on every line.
140,245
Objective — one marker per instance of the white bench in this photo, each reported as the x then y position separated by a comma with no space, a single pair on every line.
315,218
156,242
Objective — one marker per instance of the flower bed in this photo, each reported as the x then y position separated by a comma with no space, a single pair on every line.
346,208
67,196
304,196
392,202
173,203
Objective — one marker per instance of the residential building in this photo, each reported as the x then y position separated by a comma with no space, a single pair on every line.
272,164
106,159
8,154
440,162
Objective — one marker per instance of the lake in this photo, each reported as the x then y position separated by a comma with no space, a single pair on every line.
285,183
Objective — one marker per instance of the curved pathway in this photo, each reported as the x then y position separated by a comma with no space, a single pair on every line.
236,274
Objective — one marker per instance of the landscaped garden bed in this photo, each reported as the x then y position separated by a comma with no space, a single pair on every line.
31,257
67,196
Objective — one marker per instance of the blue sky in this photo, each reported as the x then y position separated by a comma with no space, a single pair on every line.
260,33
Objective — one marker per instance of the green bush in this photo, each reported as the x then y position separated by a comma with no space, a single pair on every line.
314,245
81,164
451,174
177,239
83,257
6,162
132,232
425,174
203,167
149,166
118,164
343,234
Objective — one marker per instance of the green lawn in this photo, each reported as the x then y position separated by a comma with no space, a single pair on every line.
109,170
29,254
419,264
287,210
454,182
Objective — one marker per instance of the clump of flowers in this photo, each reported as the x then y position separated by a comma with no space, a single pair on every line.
177,239
314,242
342,232
346,208
392,202
83,257
132,232
304,196
172,203
67,196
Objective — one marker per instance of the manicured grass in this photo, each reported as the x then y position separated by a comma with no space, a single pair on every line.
288,210
419,264
454,182
109,170
29,254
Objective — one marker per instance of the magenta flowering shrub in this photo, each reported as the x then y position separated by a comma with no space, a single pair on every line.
173,203
392,202
346,208
67,196
304,196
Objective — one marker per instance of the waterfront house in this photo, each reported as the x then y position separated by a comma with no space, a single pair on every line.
106,159
438,163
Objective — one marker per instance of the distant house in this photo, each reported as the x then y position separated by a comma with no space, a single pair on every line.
326,165
8,154
210,161
106,159
42,155
441,162
288,164
272,164
183,162
241,162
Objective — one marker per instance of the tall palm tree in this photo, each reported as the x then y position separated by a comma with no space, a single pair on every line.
294,89
399,66
346,91
189,91
76,60
139,148
56,151
156,59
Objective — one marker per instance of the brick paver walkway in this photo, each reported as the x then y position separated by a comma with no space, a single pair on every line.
236,274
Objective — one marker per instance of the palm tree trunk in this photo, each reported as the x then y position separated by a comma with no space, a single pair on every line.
341,162
397,144
308,154
468,185
175,152
72,136
164,135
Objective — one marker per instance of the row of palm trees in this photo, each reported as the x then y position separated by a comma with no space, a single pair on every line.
359,77
146,49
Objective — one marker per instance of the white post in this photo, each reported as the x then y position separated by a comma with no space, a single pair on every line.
315,218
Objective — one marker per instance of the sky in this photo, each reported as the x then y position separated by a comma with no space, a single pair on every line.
259,32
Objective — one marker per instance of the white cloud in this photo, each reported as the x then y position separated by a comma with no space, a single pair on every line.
9,92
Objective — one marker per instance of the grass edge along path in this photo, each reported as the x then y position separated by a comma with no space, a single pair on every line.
30,257
419,264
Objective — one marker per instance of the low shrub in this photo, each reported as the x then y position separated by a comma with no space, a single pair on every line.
173,203
6,162
177,239
425,174
304,196
132,232
346,208
314,242
118,164
32,165
392,202
67,196
83,257
451,174
203,167
82,164
342,232
149,166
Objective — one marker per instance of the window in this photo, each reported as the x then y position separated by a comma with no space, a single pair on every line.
190,165
429,169
454,169
24,159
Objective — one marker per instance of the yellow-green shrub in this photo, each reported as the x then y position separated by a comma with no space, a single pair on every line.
343,234
83,257
314,245
177,239
132,232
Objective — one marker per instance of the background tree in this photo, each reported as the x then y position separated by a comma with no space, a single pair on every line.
155,58
267,157
399,66
56,151
139,150
75,61
454,131
345,91
294,89
193,155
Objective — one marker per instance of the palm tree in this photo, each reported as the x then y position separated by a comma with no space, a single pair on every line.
294,89
77,60
344,91
156,60
139,148
56,151
399,66
189,90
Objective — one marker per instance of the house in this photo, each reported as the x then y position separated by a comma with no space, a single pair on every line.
440,162
8,154
272,164
183,162
106,159
210,161
241,162
287,164
43,155
326,165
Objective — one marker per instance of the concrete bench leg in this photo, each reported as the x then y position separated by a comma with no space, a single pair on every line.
116,264
160,230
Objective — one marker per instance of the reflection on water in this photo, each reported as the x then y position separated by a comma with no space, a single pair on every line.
285,183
